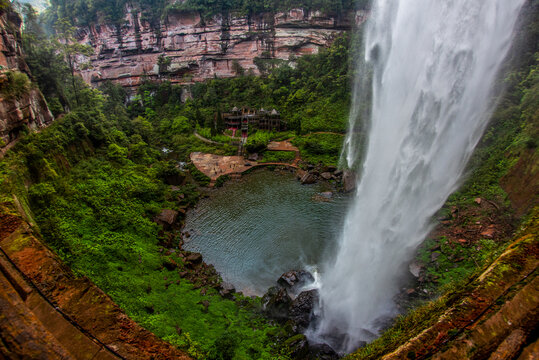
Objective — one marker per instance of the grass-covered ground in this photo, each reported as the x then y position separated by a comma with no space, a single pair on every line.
278,156
94,185
99,218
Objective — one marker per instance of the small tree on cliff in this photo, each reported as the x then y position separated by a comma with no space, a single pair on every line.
70,49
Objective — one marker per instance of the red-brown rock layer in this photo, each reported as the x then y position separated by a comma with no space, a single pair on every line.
29,109
202,49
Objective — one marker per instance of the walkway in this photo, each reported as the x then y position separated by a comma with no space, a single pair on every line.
207,141
215,166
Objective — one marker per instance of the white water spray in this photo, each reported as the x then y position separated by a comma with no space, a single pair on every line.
433,65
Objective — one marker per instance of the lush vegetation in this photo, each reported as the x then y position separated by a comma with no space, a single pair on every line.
311,92
13,84
86,12
97,179
324,148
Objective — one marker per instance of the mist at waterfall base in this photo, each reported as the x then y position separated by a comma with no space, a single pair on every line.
432,67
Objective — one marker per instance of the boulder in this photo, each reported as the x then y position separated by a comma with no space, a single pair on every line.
349,180
298,346
301,309
276,303
331,169
327,194
415,269
166,218
322,352
326,175
227,290
295,279
308,178
193,259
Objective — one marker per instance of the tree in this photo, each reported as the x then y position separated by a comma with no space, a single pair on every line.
163,62
70,49
237,68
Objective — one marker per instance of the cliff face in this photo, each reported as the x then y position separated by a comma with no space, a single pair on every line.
28,109
201,49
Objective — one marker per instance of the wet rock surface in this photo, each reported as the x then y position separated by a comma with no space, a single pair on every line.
322,352
301,310
295,279
349,180
277,303
297,312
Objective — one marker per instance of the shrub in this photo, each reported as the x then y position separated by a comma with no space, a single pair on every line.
117,153
15,85
224,347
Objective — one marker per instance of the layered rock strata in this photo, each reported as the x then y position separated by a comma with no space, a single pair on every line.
200,49
27,110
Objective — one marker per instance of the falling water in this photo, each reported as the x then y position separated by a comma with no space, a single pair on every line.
432,65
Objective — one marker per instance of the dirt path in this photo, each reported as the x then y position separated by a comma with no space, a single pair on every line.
207,141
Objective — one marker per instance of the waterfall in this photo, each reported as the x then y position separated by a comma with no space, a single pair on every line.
431,69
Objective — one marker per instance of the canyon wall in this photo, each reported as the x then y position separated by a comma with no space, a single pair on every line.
24,110
200,49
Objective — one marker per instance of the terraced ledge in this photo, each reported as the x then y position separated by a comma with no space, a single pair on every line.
48,313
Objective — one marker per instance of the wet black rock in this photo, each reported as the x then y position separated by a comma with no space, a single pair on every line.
301,309
277,303
298,347
349,181
322,352
295,279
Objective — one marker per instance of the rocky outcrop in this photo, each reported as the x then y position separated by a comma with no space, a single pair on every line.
494,318
201,49
29,109
49,313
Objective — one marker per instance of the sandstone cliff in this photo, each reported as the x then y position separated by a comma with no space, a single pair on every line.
201,49
28,109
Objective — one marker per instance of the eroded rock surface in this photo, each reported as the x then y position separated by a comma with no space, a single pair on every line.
27,110
200,49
